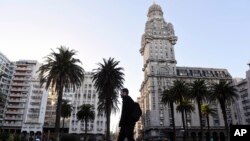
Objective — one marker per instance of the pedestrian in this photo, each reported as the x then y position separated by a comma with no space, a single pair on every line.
126,123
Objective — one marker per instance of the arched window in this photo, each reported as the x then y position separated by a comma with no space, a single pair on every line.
163,71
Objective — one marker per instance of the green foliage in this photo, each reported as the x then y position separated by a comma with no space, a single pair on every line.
66,109
108,80
61,72
86,114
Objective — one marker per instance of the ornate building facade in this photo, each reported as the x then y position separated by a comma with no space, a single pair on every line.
160,70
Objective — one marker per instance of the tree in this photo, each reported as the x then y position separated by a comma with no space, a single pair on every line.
108,79
206,110
180,90
225,94
186,107
66,110
169,99
61,72
86,114
198,92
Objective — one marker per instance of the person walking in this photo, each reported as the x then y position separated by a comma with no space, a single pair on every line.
126,123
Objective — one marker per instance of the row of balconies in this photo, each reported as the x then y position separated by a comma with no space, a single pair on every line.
12,124
17,100
23,68
20,78
17,95
19,89
13,118
16,106
20,84
14,112
23,74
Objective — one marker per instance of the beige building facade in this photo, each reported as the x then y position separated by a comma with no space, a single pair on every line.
160,70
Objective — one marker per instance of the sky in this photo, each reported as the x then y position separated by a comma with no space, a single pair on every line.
211,33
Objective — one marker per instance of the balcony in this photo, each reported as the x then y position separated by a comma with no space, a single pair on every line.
19,78
13,118
23,68
16,106
14,112
17,100
20,84
18,95
12,124
22,74
19,89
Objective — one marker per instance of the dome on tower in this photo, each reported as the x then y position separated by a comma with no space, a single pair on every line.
154,7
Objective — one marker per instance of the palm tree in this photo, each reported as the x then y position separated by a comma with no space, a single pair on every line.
108,79
224,93
86,114
66,110
198,92
169,99
180,90
186,107
61,72
206,110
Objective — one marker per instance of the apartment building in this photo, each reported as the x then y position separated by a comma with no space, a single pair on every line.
26,101
87,94
243,102
6,72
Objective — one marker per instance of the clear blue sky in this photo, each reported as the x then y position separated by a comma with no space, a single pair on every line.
211,33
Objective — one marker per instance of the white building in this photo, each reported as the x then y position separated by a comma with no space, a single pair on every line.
6,72
25,108
87,94
243,102
160,70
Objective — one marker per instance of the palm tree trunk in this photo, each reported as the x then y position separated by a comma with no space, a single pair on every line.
108,112
173,120
86,129
58,112
208,126
183,122
63,126
186,119
200,116
223,108
184,125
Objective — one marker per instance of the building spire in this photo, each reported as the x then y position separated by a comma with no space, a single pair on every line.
154,2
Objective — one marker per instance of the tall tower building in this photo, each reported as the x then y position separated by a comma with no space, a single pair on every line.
157,45
160,70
